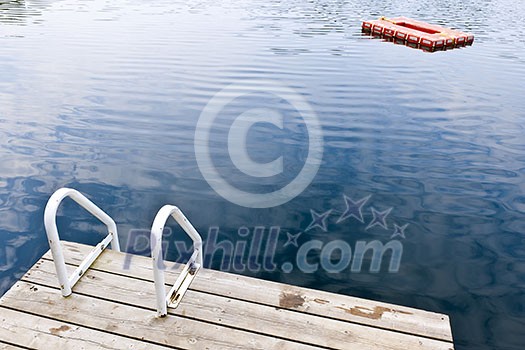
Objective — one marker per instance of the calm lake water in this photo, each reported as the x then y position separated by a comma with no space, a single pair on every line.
105,96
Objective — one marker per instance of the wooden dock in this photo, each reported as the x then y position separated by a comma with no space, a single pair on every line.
114,308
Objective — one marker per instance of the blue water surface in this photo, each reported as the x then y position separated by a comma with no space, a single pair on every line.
104,97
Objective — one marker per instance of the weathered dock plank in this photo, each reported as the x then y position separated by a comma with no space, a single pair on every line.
221,311
277,322
5,346
314,302
35,332
135,322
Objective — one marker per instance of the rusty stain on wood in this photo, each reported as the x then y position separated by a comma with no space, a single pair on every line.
321,301
290,299
56,331
375,314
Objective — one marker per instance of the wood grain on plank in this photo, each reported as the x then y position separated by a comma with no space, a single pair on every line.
345,308
240,314
36,332
136,322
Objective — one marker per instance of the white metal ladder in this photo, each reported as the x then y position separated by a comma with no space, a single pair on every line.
66,283
174,296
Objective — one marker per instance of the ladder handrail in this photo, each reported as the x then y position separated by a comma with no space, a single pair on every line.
65,282
184,280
